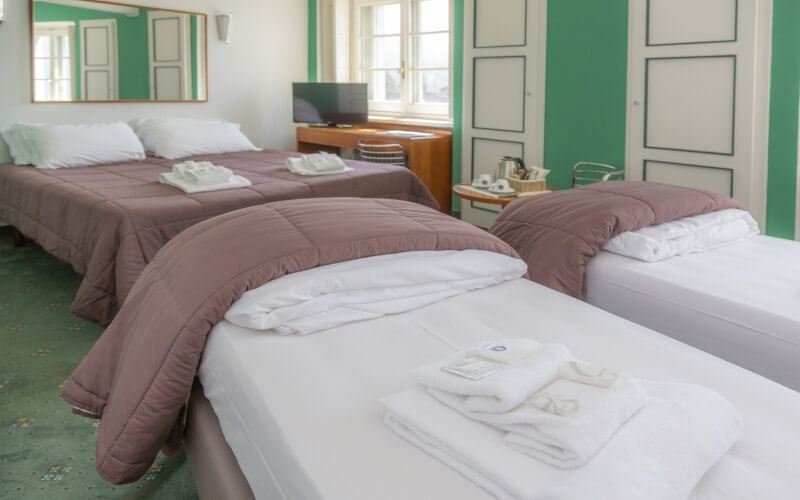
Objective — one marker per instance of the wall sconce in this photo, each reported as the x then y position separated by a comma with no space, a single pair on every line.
2,15
223,27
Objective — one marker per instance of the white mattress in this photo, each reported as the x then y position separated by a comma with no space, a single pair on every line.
303,418
740,302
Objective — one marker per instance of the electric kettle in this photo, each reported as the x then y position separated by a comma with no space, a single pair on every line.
510,166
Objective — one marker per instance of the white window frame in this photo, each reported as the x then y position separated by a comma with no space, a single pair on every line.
404,108
53,29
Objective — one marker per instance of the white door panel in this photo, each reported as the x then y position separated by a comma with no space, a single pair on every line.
698,89
504,60
169,55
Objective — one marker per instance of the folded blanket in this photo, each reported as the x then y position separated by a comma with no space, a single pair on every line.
566,423
506,385
659,454
298,166
686,235
326,297
171,179
202,173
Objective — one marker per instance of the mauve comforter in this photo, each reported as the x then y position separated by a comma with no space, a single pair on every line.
139,373
557,233
109,221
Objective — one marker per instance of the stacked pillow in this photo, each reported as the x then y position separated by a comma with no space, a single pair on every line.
174,138
62,146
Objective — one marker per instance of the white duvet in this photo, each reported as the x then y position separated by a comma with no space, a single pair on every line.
329,296
686,235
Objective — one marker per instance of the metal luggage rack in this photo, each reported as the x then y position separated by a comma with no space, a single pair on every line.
392,154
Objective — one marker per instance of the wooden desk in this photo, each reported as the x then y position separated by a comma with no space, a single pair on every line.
429,158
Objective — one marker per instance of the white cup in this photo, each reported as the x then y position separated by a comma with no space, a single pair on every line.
502,185
484,180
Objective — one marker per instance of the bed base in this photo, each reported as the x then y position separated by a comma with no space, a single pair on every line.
214,468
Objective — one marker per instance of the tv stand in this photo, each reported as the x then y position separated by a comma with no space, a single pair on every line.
429,158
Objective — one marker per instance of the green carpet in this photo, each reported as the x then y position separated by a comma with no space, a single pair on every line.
45,450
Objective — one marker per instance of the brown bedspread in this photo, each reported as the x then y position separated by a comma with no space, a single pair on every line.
557,233
139,373
109,221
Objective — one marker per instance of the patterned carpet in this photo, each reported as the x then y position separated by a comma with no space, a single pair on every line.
45,450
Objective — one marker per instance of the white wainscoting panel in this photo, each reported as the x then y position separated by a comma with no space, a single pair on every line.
500,23
719,180
500,83
690,103
691,21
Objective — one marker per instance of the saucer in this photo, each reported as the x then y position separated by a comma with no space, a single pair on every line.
478,185
509,191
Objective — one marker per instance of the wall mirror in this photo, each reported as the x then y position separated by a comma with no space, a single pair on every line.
95,51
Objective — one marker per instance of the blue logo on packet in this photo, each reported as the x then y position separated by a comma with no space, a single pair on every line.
498,348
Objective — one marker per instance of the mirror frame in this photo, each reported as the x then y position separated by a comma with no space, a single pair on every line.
118,101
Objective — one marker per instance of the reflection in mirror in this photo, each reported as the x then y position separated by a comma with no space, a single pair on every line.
89,50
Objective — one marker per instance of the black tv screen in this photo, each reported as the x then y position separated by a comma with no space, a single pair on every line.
330,103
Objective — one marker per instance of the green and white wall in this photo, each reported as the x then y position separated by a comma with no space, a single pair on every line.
586,94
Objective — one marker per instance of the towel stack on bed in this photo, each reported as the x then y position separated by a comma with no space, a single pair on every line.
530,422
197,177
321,163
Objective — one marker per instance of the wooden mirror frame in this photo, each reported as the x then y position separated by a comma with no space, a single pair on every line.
198,85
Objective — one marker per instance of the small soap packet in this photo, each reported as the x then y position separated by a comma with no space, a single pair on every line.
592,375
503,352
471,368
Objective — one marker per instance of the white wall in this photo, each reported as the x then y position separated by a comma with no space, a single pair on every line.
249,81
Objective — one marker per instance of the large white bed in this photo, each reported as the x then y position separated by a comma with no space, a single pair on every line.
740,302
303,418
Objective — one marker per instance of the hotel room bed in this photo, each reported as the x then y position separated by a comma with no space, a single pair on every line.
302,413
108,221
738,301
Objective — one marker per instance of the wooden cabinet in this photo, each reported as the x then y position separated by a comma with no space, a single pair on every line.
429,158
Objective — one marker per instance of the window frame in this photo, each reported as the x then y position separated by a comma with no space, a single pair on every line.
404,108
52,30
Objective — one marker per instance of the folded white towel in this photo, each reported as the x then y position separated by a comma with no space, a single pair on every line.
564,424
171,179
202,173
659,454
299,166
507,386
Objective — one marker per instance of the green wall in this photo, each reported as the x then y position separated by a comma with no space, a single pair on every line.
131,45
783,119
586,85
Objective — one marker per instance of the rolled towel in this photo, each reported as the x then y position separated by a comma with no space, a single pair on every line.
500,386
324,162
202,173
659,454
564,424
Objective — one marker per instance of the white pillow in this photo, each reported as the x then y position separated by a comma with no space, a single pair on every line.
62,146
5,154
18,147
171,139
143,127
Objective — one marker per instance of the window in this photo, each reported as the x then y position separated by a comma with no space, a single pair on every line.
402,50
52,61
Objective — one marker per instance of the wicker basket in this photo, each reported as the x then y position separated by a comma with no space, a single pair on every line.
527,186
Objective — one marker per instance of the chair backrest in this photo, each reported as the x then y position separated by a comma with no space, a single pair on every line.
586,172
394,154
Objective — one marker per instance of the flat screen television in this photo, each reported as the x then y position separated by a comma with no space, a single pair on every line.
329,103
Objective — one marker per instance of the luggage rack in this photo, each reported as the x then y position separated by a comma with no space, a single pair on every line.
391,154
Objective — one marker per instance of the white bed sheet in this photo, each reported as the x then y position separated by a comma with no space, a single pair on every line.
740,302
303,418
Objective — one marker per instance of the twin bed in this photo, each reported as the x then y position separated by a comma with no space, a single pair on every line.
302,414
109,220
